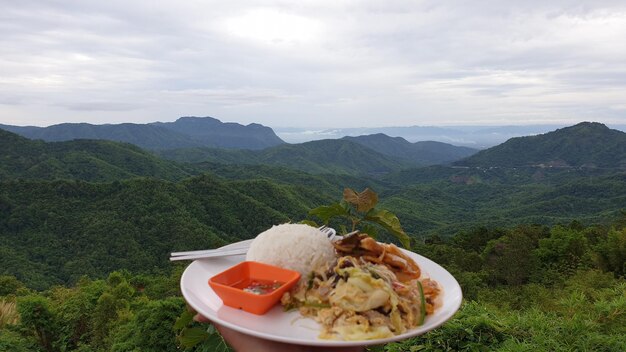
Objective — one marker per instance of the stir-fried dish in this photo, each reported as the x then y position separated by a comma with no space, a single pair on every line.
371,291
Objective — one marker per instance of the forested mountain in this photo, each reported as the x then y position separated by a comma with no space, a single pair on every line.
54,232
84,264
447,206
184,132
144,136
323,156
420,153
210,132
587,144
88,160
495,175
473,136
323,183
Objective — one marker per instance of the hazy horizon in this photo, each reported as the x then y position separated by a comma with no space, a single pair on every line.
474,136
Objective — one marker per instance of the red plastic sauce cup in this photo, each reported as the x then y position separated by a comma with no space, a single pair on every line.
229,285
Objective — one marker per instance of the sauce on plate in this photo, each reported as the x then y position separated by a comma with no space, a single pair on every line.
259,287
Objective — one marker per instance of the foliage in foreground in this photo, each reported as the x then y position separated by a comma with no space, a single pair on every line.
591,317
571,295
359,209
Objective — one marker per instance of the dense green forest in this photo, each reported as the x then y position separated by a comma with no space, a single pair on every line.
540,252
374,155
318,157
53,232
87,160
588,144
420,153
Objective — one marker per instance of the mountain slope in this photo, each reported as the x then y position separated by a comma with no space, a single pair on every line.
144,136
318,157
87,160
421,153
587,144
212,132
331,156
53,232
185,132
446,208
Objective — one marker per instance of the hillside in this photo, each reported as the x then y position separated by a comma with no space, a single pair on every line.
210,132
317,157
420,153
587,144
133,224
185,132
447,206
331,156
88,160
321,183
54,232
494,175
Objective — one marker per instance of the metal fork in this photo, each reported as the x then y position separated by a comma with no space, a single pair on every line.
233,249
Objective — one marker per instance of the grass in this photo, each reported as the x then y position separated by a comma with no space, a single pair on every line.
8,312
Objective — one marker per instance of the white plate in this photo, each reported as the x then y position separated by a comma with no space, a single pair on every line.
291,327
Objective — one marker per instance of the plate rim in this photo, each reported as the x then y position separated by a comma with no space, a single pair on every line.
319,342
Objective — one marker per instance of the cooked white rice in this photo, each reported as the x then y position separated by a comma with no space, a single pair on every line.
296,247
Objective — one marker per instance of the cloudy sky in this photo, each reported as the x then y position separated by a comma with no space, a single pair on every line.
313,63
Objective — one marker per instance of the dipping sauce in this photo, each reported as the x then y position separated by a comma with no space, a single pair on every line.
267,282
259,287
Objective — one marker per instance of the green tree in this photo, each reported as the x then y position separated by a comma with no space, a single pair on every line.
477,238
12,341
611,255
565,251
151,329
9,285
74,312
36,315
509,259
112,308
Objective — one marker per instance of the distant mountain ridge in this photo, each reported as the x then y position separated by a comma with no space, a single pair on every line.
422,153
214,133
587,144
317,157
186,132
374,155
87,160
473,136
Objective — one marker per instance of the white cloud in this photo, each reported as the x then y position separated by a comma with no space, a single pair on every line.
228,97
273,27
313,63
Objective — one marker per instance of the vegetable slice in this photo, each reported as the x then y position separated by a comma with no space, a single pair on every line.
423,303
